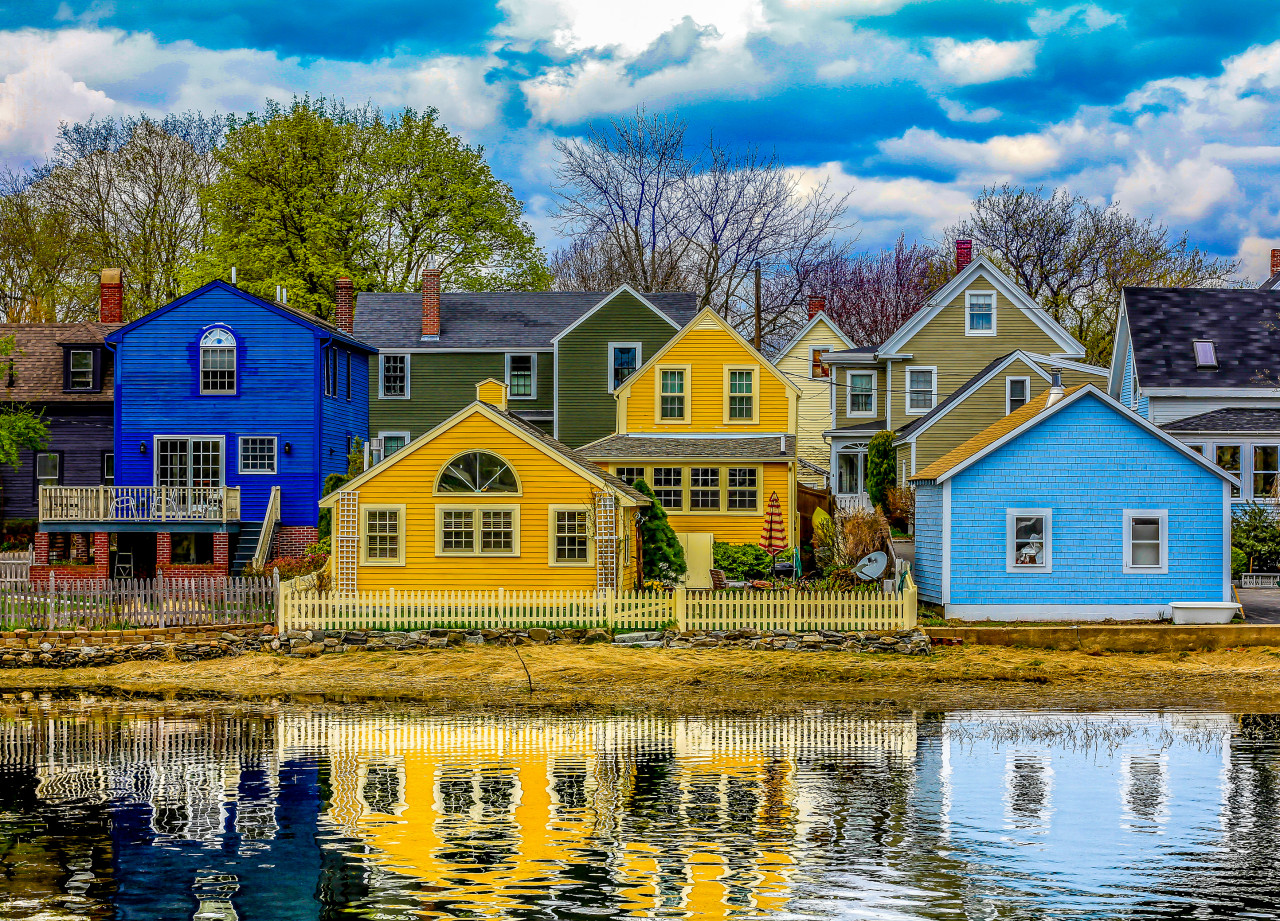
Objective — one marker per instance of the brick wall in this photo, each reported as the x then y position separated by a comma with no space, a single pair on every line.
293,541
62,572
166,567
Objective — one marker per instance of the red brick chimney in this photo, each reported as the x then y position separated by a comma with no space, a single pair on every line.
431,301
964,254
1275,262
344,306
817,304
111,297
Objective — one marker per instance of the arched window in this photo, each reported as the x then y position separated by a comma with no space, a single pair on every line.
477,472
218,362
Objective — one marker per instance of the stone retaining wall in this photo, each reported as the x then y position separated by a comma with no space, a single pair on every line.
81,648
1118,638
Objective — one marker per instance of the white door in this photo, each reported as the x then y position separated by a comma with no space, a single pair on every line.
698,557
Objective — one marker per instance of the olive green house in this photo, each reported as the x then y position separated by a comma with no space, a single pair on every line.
560,353
979,349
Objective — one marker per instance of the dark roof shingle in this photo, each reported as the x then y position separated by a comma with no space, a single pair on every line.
1165,322
765,447
491,320
37,366
1228,420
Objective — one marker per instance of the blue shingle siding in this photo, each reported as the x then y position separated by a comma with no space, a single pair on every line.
1126,382
1088,463
927,570
279,391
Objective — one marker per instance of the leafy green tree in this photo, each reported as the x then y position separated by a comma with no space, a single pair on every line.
21,428
662,557
882,470
1255,531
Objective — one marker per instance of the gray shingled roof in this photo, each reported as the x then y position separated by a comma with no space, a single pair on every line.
491,320
862,428
37,366
1164,322
1271,283
862,351
1228,420
709,446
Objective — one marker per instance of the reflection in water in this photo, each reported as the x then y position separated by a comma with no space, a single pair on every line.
141,812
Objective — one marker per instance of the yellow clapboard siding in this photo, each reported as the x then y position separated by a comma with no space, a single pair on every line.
544,482
814,416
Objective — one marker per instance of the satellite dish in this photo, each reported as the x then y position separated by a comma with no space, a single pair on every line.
873,565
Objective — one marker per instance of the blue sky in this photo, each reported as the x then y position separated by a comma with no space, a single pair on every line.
1169,107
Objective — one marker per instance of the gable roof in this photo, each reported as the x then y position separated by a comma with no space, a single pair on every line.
1032,414
820,316
704,315
1255,421
495,320
1164,322
525,431
1002,283
37,363
301,317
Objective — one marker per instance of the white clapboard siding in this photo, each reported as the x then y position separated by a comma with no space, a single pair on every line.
301,607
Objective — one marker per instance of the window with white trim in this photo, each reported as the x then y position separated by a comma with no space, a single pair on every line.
393,377
522,381
383,535
1017,390
1146,541
819,370
1228,458
1266,471
257,454
980,313
217,362
571,536
741,394
478,531
671,396
1028,540
108,471
48,468
922,390
624,361
393,442
861,393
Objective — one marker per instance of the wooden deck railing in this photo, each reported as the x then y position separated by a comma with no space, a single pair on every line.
139,503
300,607
269,522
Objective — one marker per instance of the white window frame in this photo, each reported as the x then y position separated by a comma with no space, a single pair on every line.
1253,446
275,455
1011,515
234,348
968,331
933,370
396,433
71,369
533,372
1129,567
1008,392
408,363
820,350
553,512
222,455
848,395
57,478
402,532
477,527
608,371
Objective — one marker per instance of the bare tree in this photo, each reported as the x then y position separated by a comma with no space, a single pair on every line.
38,250
1074,257
597,265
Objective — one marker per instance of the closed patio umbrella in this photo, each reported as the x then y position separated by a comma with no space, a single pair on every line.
773,537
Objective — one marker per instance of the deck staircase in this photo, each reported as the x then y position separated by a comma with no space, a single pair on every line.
247,548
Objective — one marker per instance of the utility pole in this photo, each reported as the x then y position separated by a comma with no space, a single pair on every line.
757,305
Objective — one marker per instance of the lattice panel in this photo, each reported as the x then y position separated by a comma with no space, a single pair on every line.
606,541
346,538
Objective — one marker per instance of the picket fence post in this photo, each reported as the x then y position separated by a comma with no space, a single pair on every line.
679,606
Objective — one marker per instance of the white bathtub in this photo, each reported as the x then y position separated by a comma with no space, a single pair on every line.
1203,612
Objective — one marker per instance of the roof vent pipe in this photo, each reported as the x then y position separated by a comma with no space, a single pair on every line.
1056,392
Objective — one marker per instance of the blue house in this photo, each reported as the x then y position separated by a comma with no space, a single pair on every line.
230,411
1072,507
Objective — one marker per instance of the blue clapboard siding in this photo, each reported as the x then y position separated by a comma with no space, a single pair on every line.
279,359
927,568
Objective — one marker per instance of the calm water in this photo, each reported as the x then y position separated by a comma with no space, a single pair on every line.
111,810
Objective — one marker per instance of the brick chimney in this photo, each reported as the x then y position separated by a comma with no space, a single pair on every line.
344,305
431,301
964,254
111,297
1275,262
817,304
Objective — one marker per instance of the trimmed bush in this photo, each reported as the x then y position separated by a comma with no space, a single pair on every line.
741,562
882,469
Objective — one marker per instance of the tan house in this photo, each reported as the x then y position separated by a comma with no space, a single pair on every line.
979,349
800,360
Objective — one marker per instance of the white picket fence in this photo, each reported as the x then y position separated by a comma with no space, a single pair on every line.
15,566
299,607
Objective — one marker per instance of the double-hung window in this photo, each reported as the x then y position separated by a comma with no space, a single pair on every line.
1146,541
258,454
922,390
48,468
740,394
1016,393
704,489
1266,469
218,362
1028,540
393,377
80,369
861,389
744,489
1228,458
522,377
477,531
672,395
980,313
668,487
570,544
819,370
624,360
384,535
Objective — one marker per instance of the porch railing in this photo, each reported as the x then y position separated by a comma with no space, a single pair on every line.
139,503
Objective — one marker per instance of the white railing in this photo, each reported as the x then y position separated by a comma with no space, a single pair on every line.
1260,580
139,503
301,607
853,502
269,522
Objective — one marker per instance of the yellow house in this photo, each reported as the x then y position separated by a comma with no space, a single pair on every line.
710,425
801,361
484,500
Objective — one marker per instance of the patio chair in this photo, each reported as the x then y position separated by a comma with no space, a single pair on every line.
124,507
718,579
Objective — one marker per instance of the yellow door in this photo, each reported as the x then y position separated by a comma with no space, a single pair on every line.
697,554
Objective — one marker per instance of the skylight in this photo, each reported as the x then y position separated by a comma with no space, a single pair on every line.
1206,355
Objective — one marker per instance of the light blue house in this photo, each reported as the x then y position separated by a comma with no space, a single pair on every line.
1072,507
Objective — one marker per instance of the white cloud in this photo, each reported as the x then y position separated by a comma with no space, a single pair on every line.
584,25
984,60
1186,190
34,99
1020,155
885,207
1083,17
1255,256
959,112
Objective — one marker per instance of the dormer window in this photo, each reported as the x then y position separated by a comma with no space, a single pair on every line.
1206,354
80,369
218,362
